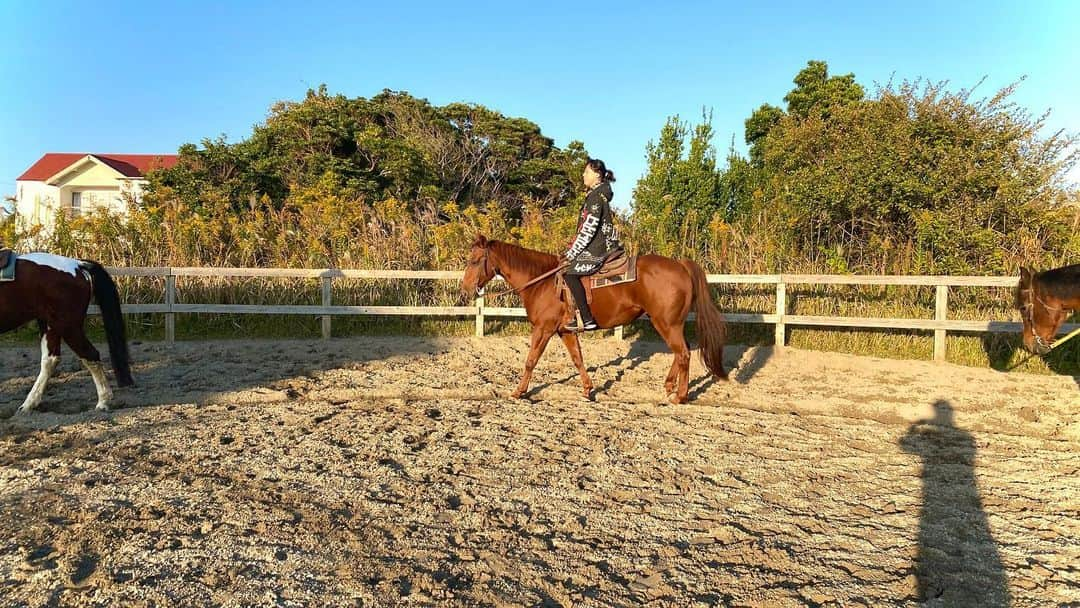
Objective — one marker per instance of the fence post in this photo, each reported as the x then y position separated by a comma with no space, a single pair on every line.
619,332
170,300
327,298
781,310
941,313
480,314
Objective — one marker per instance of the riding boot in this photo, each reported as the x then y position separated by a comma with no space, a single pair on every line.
587,321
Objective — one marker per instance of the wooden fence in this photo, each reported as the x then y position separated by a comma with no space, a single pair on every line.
940,324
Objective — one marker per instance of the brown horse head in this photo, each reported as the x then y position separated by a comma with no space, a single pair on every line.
1045,301
479,269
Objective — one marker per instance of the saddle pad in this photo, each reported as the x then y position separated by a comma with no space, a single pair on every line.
626,273
7,264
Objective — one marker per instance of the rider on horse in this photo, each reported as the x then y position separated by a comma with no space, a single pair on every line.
597,238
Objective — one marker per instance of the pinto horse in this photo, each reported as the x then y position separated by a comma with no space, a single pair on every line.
55,291
665,289
1045,301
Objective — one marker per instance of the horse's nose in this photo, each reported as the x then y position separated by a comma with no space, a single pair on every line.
1041,348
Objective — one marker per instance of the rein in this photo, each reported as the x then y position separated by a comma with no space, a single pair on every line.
612,255
531,282
1072,334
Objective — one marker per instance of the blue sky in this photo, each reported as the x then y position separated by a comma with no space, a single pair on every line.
145,77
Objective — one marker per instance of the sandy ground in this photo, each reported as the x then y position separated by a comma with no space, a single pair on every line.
386,472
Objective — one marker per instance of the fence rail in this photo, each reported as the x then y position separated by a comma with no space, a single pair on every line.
940,324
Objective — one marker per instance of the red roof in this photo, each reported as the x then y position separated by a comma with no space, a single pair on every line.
130,165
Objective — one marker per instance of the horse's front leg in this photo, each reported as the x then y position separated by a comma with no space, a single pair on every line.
540,337
574,346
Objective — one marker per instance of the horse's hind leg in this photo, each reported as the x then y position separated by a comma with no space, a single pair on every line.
672,377
678,377
50,357
91,358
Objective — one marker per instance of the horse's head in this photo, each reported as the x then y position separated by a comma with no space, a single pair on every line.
479,269
1042,314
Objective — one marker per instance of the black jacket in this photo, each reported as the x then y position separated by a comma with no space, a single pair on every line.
597,236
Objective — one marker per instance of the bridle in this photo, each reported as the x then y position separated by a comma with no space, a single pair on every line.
484,261
1028,314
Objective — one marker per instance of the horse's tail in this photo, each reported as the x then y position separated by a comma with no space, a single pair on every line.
711,328
109,300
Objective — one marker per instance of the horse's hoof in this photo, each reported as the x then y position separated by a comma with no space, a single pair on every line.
517,394
103,407
676,400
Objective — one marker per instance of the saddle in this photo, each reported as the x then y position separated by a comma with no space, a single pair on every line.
7,264
617,269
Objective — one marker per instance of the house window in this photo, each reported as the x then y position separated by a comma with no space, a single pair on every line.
76,203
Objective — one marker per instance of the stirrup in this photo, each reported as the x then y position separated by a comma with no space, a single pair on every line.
576,325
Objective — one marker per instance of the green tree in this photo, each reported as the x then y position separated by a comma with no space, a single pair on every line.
917,178
681,190
757,128
392,145
815,92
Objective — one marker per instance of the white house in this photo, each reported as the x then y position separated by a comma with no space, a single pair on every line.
79,183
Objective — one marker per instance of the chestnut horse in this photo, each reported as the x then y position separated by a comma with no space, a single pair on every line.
665,289
55,291
1045,301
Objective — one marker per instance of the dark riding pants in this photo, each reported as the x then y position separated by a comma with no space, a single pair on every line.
576,288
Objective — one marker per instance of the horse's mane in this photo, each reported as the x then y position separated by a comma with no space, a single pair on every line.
1061,282
529,261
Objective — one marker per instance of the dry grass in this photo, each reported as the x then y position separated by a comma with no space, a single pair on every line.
387,235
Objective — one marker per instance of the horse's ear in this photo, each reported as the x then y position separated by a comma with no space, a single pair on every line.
1025,274
481,241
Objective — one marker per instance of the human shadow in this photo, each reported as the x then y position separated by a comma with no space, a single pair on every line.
958,562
